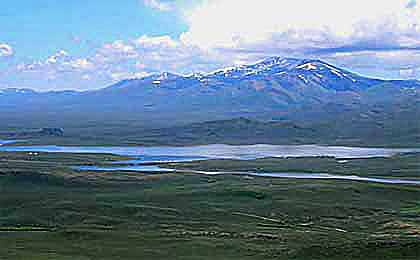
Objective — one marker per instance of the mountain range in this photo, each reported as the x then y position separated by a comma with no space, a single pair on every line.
303,91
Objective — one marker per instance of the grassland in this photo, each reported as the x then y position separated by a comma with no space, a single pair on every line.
51,212
395,131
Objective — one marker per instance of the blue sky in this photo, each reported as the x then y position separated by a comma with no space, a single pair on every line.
38,28
55,45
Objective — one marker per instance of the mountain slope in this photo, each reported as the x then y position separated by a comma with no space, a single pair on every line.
276,88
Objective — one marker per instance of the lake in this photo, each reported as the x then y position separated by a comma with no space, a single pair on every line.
4,142
219,151
320,176
162,154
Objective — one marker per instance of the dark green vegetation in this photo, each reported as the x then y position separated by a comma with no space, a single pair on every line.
50,212
397,129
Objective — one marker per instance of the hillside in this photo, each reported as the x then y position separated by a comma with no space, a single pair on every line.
300,99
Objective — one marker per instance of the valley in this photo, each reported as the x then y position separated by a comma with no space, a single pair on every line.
64,213
275,101
210,130
282,159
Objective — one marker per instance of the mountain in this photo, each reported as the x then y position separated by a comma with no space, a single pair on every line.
298,90
288,73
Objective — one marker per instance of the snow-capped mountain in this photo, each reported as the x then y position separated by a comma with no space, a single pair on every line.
288,69
271,87
285,71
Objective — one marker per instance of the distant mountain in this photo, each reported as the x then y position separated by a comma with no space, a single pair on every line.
288,73
275,89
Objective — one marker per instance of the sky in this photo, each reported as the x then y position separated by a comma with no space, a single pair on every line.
56,45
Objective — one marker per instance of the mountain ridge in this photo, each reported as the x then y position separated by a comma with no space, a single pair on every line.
275,65
275,88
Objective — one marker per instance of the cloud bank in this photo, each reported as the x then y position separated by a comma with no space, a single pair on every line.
159,5
376,37
303,24
5,50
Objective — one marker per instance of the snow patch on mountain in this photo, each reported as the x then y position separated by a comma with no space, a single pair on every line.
307,66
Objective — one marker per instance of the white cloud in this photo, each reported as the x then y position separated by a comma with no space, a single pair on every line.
82,64
300,23
374,37
156,42
57,57
117,76
153,54
86,77
5,50
57,66
390,64
118,48
54,61
355,34
159,5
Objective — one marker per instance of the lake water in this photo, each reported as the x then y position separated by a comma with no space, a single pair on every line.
4,142
319,176
219,151
154,155
303,175
144,159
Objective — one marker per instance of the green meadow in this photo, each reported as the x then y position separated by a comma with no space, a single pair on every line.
49,211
